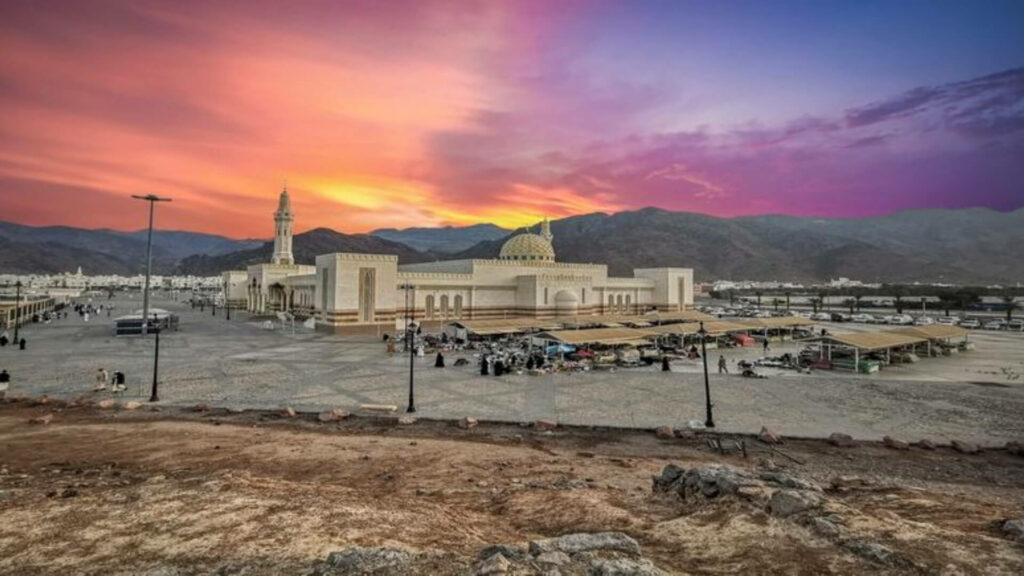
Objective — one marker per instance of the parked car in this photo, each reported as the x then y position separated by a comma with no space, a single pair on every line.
862,318
840,317
994,325
900,319
821,317
1017,325
924,321
971,323
947,320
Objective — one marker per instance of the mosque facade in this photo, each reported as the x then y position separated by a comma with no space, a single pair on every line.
353,289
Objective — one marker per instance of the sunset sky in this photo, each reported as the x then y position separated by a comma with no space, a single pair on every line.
382,113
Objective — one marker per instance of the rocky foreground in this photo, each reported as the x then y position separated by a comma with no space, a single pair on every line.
88,490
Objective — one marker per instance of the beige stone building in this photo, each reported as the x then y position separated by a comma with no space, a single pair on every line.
350,290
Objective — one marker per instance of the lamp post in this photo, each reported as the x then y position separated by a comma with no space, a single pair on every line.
17,309
153,397
709,422
152,199
410,342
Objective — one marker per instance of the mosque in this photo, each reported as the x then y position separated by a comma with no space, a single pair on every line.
350,289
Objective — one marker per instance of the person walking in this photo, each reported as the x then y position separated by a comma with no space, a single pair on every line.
439,362
723,368
5,383
664,364
102,376
765,344
21,344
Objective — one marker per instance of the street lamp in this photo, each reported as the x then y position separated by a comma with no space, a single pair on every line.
410,342
152,199
153,397
17,309
709,422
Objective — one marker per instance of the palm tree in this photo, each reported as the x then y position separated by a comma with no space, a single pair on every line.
850,302
758,294
775,301
1011,304
788,294
822,299
857,298
816,302
732,297
898,292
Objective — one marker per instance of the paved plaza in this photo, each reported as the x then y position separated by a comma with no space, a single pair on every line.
977,395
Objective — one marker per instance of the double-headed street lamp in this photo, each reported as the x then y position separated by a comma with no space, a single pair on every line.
709,422
410,342
152,199
153,397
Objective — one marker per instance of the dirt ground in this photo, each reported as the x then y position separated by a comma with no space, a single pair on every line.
179,492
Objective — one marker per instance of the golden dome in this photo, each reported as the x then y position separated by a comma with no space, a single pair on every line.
529,247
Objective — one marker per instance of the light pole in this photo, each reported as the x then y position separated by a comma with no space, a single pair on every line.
152,199
410,342
709,422
17,309
153,397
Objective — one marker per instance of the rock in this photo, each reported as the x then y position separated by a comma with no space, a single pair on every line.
506,551
965,447
42,401
467,423
202,407
327,416
840,439
925,444
1014,529
784,480
545,424
786,502
406,420
586,542
623,567
664,432
288,412
132,405
895,444
367,560
42,420
494,564
824,528
706,481
769,437
553,558
875,552
107,404
844,483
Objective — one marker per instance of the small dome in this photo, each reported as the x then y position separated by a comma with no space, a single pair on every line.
528,247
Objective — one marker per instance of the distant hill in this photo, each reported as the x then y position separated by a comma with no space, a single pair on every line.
442,240
976,245
960,246
305,247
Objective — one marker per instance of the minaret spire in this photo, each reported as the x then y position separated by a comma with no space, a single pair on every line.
283,220
545,229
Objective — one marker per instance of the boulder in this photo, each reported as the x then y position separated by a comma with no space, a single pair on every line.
42,420
288,412
824,528
895,444
586,542
367,560
965,447
107,404
664,432
705,481
235,410
553,558
843,483
840,439
1014,529
406,420
875,552
327,416
468,422
545,424
202,407
494,564
132,405
783,480
925,444
511,552
42,401
623,567
769,436
787,502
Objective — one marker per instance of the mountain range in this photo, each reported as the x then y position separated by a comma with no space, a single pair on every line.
963,246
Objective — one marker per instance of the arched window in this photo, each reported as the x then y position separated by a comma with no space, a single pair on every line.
545,296
430,307
583,295
458,305
618,301
444,307
611,303
628,303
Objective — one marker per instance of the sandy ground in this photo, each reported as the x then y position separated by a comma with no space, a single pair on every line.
175,492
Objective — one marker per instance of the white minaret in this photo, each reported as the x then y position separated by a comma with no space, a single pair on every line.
283,219
545,229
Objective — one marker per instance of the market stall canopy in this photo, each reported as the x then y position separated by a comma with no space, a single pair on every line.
778,322
505,326
604,336
869,341
935,332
